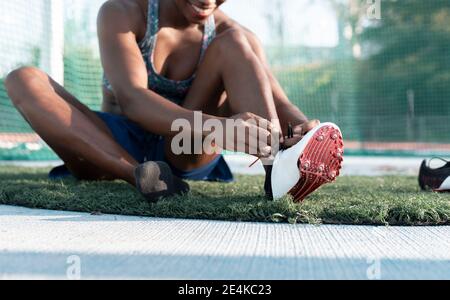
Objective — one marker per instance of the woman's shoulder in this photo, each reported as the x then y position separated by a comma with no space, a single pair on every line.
225,23
132,8
131,12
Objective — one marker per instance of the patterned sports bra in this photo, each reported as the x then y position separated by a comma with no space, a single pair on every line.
173,90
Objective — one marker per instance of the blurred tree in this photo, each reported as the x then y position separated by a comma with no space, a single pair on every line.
404,73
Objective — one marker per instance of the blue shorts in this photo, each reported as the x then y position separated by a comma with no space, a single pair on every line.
144,146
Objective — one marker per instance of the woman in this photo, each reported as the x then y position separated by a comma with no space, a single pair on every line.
163,60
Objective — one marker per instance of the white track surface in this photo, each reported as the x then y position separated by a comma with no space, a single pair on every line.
36,244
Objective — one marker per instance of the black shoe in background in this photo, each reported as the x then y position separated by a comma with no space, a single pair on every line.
437,180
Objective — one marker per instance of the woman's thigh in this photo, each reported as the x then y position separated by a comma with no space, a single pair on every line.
231,79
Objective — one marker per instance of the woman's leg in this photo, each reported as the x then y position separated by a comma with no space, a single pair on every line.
74,132
230,65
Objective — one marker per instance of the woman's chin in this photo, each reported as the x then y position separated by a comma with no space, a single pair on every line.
196,19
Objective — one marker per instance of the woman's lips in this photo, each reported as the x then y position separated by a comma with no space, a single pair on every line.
201,12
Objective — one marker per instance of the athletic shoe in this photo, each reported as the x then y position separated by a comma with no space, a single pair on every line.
59,173
155,180
316,160
437,180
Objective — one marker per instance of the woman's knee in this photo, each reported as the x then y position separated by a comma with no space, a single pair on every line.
232,42
20,79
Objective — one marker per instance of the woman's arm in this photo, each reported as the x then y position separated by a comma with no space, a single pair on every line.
126,71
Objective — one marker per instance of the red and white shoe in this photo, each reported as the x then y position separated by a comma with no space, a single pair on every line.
316,160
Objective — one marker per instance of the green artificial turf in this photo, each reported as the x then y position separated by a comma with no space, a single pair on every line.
351,200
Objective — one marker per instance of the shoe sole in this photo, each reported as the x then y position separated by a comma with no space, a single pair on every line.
441,191
320,162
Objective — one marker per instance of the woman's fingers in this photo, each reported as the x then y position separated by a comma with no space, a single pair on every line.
308,126
259,121
264,124
288,143
261,135
269,136
260,139
299,133
258,136
254,135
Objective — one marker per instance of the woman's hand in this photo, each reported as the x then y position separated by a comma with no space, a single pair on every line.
250,134
299,132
